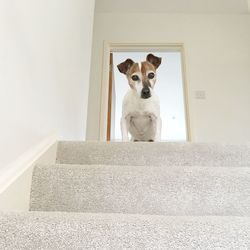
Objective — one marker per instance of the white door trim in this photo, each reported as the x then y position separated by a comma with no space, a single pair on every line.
136,47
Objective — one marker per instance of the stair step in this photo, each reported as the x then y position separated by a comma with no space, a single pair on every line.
37,230
175,191
158,154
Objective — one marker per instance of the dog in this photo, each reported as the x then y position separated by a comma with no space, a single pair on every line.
141,106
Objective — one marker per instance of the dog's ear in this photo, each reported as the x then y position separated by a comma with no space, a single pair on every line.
156,61
125,66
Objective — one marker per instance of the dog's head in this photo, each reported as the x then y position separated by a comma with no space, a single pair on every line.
141,76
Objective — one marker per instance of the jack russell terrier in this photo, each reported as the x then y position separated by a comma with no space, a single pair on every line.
141,107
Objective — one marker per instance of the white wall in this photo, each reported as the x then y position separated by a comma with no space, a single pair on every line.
45,50
217,59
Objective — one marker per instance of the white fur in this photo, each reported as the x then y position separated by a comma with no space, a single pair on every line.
138,87
141,117
139,64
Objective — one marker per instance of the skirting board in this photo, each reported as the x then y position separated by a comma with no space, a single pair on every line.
15,179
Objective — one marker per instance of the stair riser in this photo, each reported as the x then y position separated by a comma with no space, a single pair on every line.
35,230
157,154
143,190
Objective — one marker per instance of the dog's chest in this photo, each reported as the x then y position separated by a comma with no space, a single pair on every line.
140,115
140,122
141,108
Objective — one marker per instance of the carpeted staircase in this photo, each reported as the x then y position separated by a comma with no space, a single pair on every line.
136,196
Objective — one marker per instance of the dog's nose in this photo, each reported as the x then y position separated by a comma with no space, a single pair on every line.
145,93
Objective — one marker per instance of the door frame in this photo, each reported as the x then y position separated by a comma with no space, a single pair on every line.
109,47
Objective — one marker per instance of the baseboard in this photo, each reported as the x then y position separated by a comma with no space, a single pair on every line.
15,179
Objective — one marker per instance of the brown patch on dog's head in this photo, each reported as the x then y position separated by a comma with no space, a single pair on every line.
133,69
147,67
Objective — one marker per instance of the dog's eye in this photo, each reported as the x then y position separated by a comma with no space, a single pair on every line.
135,78
151,75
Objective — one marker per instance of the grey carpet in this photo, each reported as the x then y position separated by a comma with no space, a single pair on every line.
158,154
143,196
144,190
52,231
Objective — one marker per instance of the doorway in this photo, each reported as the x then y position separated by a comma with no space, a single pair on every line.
170,87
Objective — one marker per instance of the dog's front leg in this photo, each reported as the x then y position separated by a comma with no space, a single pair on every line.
124,129
158,129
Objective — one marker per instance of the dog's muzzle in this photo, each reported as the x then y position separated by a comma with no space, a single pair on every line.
145,93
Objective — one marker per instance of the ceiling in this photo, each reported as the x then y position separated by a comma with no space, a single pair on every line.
174,6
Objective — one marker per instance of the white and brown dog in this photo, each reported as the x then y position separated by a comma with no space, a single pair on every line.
141,107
